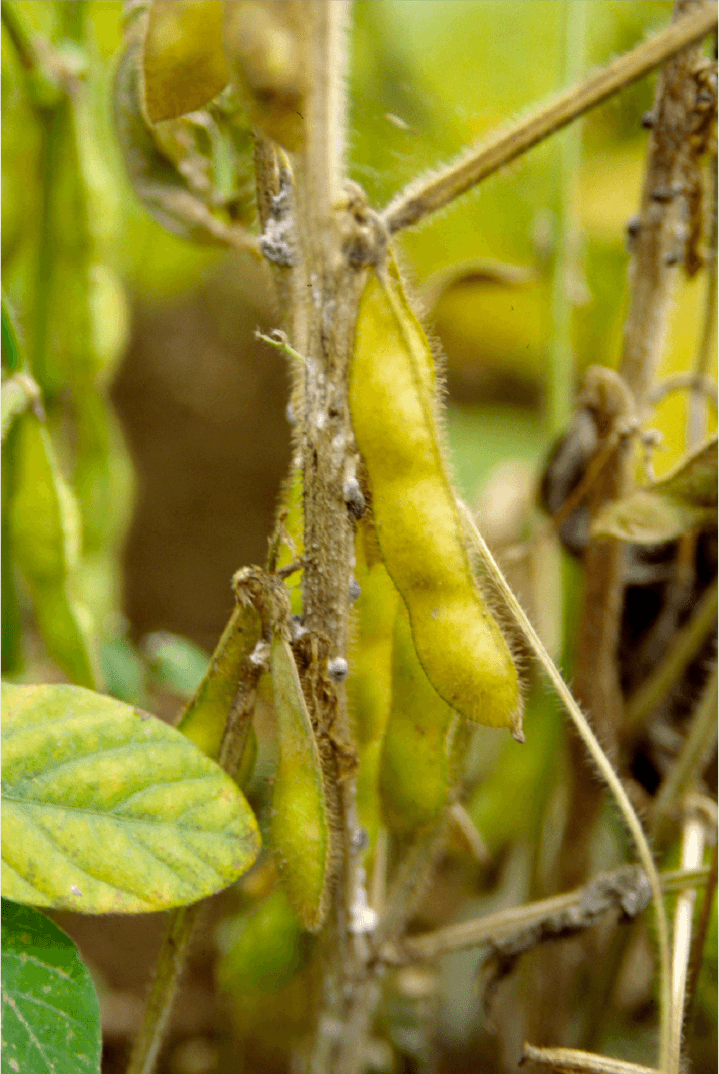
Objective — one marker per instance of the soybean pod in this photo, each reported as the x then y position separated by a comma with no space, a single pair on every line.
299,826
205,716
44,536
369,687
418,525
414,775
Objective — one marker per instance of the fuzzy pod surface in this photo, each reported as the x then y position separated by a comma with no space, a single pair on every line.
300,829
418,525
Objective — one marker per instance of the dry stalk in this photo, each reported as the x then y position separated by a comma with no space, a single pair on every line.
652,275
523,927
574,1061
691,856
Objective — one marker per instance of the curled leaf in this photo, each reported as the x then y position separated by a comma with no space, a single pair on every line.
172,177
683,501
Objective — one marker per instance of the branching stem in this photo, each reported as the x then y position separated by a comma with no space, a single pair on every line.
430,193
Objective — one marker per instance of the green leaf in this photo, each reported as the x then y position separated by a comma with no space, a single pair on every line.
50,1011
183,62
108,810
664,511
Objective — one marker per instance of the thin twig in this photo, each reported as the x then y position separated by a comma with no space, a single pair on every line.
573,1061
685,646
429,193
471,835
691,856
697,952
566,239
694,754
704,352
599,757
694,382
626,889
182,921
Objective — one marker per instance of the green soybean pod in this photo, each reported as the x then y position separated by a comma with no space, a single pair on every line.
369,686
299,825
44,531
414,776
294,523
419,529
205,716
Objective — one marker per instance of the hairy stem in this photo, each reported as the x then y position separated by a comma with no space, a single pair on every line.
182,921
600,759
575,1062
429,193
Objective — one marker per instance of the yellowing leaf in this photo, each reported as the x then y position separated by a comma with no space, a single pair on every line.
664,511
183,61
108,810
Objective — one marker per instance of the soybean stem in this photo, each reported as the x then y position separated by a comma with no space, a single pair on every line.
697,406
182,921
560,385
597,753
691,856
604,892
429,193
577,1062
694,752
684,648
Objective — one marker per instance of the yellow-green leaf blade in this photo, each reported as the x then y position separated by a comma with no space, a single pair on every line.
665,510
108,810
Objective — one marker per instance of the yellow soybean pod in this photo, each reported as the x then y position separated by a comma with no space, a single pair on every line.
414,775
299,825
419,530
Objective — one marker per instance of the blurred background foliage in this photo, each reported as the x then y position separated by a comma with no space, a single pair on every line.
168,419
